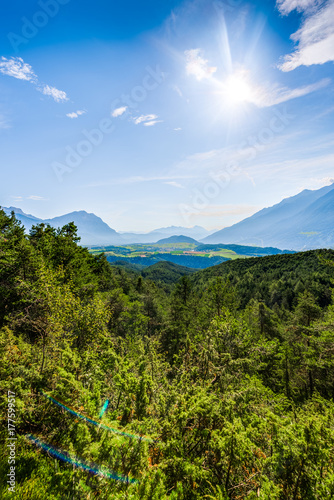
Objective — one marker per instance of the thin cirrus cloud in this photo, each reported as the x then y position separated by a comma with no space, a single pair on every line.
227,210
324,181
268,94
147,120
197,66
32,197
287,6
138,179
175,184
144,118
264,97
315,37
119,111
17,68
76,114
36,198
177,90
151,123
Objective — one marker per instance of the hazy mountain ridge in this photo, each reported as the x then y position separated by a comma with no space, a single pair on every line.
196,232
304,221
94,231
91,228
301,222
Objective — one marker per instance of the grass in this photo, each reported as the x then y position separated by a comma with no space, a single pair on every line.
151,250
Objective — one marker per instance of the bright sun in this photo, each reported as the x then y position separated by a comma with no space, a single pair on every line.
236,89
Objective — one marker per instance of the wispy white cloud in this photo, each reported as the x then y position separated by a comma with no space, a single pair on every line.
287,6
197,66
234,159
31,197
207,155
36,198
138,179
144,118
76,114
17,68
208,159
177,90
177,129
119,111
315,37
57,95
295,168
240,87
174,184
152,123
227,210
325,112
264,97
318,183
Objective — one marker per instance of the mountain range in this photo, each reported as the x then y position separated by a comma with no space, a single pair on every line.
301,222
304,221
94,232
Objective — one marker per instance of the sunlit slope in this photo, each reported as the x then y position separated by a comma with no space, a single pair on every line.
303,221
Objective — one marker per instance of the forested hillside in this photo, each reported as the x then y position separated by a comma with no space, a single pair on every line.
130,387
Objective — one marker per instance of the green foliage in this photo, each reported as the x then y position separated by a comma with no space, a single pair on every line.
229,373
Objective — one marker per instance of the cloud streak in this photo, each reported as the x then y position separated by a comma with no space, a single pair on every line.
138,179
119,111
315,37
36,198
267,94
265,97
227,211
57,95
197,66
152,123
75,114
287,6
147,120
174,184
144,118
17,68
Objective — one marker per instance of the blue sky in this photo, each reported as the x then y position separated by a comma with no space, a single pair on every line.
152,114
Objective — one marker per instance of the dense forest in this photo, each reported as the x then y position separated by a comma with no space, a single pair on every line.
167,383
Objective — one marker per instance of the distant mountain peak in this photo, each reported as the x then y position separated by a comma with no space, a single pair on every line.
302,221
178,239
20,212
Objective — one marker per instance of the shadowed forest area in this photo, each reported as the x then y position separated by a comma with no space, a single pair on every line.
219,382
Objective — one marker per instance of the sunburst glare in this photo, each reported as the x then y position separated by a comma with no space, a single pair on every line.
236,89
